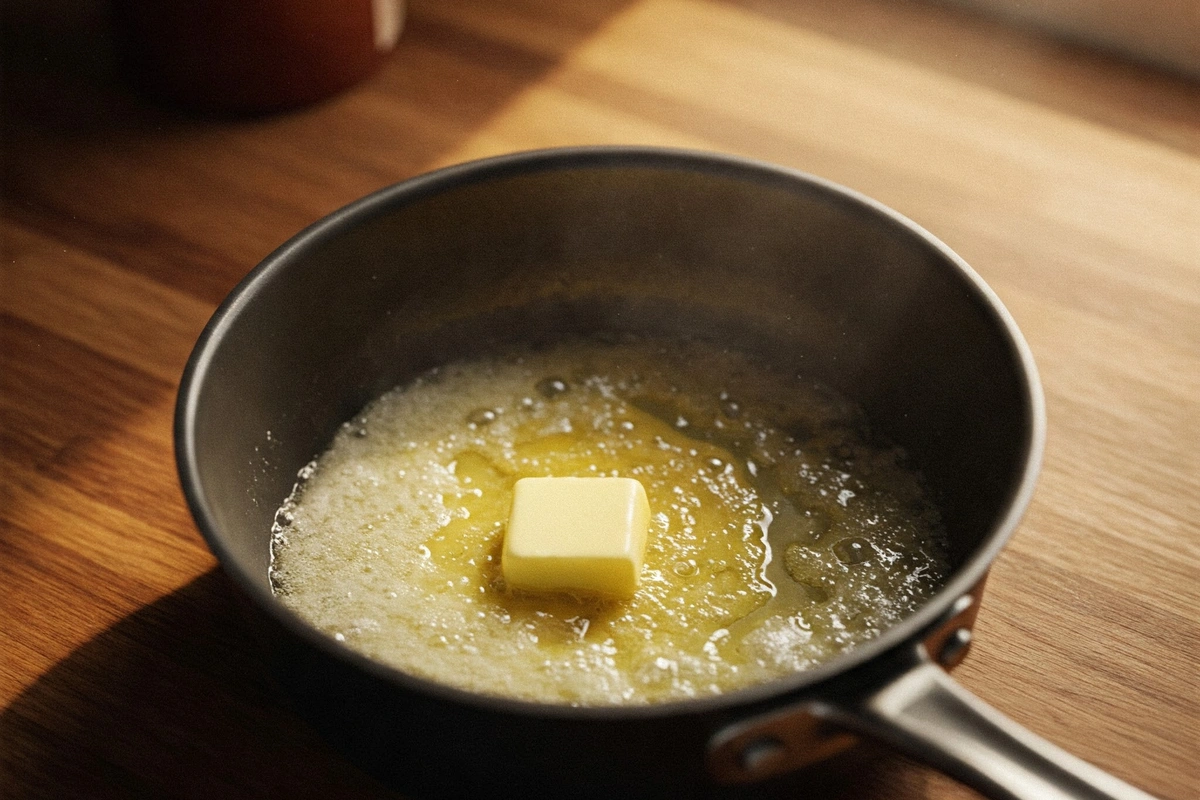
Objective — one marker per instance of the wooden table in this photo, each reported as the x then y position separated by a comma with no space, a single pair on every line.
1071,182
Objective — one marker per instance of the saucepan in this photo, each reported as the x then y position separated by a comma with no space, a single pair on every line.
557,243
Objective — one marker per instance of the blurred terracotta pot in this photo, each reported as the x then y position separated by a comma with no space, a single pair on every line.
254,55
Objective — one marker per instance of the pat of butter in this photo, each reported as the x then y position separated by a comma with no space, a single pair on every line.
576,535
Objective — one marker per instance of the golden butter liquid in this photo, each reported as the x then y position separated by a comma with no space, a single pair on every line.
779,535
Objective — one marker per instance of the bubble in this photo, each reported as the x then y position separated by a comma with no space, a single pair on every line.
482,416
551,387
732,409
853,550
685,569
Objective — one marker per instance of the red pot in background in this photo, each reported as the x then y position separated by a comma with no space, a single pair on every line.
254,55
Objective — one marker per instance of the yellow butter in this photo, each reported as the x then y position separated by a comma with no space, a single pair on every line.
576,535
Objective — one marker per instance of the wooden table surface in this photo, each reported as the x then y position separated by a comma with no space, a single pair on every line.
1069,180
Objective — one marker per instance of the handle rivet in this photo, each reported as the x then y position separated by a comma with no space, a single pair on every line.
760,752
955,647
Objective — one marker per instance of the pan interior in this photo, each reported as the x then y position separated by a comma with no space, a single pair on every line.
809,278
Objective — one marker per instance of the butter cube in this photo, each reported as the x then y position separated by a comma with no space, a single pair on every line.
576,535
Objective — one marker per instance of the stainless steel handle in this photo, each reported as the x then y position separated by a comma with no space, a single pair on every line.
925,714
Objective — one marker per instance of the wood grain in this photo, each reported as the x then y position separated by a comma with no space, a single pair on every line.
1164,32
1069,179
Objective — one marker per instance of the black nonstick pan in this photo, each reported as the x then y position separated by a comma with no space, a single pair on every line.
537,246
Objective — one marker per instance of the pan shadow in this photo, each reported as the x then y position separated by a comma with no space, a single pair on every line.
172,701
176,700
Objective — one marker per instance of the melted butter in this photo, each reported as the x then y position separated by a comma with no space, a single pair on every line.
779,536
